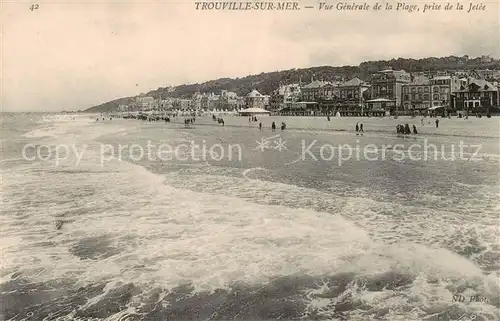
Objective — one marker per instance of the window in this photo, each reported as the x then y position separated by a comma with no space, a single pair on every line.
413,89
426,89
435,89
426,96
420,89
405,90
436,96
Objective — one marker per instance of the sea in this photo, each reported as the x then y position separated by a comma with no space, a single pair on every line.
123,219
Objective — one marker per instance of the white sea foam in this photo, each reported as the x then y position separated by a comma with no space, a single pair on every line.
161,235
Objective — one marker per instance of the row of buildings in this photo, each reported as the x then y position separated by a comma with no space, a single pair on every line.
224,101
388,92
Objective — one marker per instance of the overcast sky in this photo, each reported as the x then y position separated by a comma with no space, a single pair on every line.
68,56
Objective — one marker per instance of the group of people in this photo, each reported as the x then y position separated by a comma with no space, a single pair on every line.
273,126
252,118
359,127
219,120
189,121
405,129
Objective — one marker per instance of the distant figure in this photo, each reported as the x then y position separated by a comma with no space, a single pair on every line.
422,122
407,129
260,126
437,122
249,119
283,126
97,119
328,117
59,224
167,120
273,126
415,129
361,127
357,127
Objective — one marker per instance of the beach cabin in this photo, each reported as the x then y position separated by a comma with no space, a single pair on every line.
253,112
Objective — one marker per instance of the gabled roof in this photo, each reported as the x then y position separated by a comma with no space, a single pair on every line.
353,82
420,80
441,78
254,93
480,84
315,84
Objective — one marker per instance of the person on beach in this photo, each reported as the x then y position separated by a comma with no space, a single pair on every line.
437,122
415,129
357,128
361,127
283,126
422,122
407,129
260,126
273,126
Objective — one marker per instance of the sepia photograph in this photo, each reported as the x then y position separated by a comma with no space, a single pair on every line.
242,160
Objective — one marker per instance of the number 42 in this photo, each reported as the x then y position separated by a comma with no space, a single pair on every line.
34,6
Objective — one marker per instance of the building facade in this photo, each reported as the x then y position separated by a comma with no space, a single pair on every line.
417,95
352,96
256,100
388,85
477,95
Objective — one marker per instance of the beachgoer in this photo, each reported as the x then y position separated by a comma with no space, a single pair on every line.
357,127
273,126
437,122
415,129
260,126
407,129
422,121
361,127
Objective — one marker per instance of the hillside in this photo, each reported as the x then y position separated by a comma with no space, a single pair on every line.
109,106
267,82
